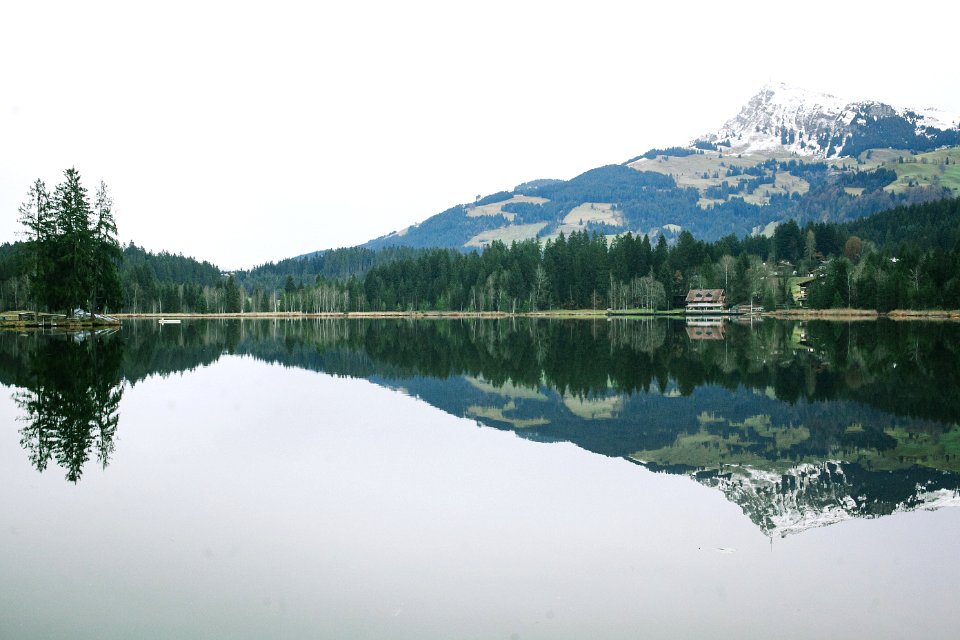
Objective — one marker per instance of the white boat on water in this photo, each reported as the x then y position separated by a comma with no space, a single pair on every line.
169,321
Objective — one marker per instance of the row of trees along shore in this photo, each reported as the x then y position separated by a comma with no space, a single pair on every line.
908,257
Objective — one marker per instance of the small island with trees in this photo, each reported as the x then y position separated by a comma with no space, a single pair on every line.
71,256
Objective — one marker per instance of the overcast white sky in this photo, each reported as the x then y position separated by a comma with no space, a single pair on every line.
247,132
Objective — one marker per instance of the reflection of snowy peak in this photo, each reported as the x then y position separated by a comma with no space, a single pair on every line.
783,119
817,495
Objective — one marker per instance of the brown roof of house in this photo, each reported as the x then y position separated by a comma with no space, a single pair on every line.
704,295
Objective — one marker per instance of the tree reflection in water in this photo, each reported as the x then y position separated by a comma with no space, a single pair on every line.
71,392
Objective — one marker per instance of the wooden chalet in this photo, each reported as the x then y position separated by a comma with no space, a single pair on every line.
706,301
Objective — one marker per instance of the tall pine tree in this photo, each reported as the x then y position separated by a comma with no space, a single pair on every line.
73,244
36,214
105,256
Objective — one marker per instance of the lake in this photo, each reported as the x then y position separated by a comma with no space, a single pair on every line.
481,479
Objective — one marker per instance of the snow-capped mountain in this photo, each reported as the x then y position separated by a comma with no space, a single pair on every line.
780,118
704,188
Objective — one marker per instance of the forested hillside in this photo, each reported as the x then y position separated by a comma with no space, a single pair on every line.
154,282
907,257
147,281
335,264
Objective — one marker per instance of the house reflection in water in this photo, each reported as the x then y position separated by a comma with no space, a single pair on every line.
705,329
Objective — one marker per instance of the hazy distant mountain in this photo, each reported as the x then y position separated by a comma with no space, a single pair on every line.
788,154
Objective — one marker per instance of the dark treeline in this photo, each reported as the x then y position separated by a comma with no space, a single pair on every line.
151,282
145,282
332,265
582,270
907,257
675,152
155,282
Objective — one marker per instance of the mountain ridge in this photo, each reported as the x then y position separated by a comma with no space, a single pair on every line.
785,118
788,154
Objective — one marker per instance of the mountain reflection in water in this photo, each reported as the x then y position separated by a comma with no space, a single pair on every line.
801,425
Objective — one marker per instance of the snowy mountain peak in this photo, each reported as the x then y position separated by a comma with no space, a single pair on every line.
788,98
783,119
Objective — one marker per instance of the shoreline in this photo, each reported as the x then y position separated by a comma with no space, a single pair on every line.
791,314
865,314
831,315
294,315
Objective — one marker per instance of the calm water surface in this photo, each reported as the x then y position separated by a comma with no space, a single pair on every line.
498,479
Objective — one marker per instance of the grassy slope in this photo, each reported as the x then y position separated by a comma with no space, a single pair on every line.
928,169
496,208
507,234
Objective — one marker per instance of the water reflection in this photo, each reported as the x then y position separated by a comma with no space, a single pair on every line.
801,425
71,391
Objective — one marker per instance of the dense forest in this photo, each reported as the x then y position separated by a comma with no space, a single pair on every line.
907,257
335,264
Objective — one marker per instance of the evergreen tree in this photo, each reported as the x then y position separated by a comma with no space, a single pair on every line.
105,254
37,216
787,243
233,302
810,247
71,277
742,292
